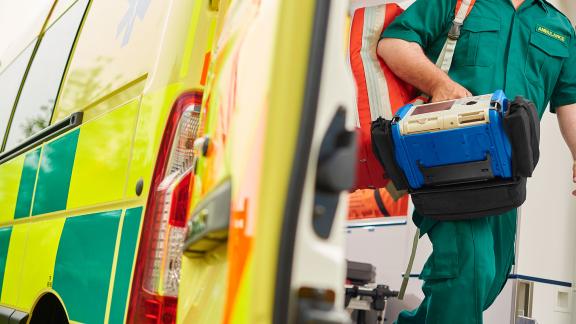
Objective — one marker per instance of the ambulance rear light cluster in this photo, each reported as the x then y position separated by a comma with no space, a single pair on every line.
154,292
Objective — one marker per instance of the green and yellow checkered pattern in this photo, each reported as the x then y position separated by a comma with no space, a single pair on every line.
68,225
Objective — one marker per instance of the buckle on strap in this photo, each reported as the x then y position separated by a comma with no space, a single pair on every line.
454,33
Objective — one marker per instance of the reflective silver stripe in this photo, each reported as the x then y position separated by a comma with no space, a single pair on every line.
447,55
463,11
378,96
355,110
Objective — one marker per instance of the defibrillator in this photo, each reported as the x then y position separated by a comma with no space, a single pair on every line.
454,141
461,159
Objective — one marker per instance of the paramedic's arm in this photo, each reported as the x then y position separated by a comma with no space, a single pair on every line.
563,102
408,61
567,121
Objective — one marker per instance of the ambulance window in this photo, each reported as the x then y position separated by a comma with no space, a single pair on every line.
10,80
36,102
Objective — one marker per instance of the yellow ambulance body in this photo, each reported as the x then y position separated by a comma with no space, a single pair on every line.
87,101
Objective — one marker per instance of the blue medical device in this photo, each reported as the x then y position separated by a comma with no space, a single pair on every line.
456,141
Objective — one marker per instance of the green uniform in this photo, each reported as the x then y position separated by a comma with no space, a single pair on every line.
529,52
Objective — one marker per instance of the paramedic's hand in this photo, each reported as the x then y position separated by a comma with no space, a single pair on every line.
448,91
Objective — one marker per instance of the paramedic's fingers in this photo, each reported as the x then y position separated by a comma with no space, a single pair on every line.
448,91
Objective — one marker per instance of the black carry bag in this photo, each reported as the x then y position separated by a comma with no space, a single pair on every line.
464,201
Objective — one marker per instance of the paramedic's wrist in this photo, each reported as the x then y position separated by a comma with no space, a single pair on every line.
448,90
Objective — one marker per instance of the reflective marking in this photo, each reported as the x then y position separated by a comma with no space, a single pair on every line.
103,149
130,230
10,175
14,261
4,243
27,181
37,272
54,174
84,264
375,80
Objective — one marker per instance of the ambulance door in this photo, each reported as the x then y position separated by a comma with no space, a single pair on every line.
276,157
311,266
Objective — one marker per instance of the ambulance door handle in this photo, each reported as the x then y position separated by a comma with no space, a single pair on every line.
336,162
209,221
335,172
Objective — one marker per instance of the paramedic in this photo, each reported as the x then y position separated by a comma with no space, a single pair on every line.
525,47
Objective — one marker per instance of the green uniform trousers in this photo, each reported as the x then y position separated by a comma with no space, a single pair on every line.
466,271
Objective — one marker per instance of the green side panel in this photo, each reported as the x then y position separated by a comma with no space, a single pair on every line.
4,243
27,180
54,174
124,264
84,264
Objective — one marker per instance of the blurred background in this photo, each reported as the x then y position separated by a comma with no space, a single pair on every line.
18,16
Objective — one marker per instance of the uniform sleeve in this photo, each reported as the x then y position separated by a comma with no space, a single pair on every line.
422,22
565,91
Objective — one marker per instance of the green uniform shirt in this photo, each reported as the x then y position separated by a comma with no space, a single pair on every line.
529,52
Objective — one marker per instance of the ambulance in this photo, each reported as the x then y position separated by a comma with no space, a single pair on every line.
176,161
100,103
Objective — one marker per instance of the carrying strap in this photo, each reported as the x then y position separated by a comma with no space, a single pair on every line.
444,62
463,8
406,275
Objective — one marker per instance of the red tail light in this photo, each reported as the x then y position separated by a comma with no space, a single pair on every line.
153,298
180,201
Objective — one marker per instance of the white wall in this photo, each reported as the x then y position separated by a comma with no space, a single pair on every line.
546,237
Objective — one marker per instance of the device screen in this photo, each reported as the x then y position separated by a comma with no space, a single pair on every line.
439,106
